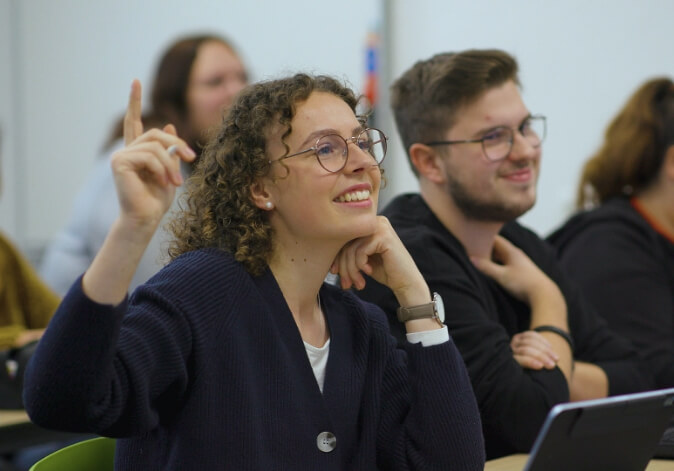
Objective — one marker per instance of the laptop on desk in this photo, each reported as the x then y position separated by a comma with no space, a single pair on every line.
619,433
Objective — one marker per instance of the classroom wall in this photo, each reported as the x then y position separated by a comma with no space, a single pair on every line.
75,60
7,161
66,66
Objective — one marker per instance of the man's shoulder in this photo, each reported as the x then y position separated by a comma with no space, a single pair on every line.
416,225
524,238
613,210
515,231
404,208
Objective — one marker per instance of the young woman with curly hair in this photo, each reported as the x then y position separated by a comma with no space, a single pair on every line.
236,355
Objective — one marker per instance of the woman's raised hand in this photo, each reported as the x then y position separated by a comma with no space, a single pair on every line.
146,173
147,169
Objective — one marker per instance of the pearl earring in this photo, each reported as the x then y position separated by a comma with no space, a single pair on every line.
269,205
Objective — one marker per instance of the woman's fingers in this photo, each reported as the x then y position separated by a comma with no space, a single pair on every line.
349,273
167,139
144,161
170,150
354,260
133,132
170,129
382,256
133,125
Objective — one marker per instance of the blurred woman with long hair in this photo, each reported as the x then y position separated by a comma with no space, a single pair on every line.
621,252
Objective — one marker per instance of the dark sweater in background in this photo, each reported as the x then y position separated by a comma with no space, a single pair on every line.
626,271
204,368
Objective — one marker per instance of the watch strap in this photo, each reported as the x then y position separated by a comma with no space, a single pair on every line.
422,311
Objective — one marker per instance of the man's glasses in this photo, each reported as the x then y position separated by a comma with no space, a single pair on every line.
332,150
498,142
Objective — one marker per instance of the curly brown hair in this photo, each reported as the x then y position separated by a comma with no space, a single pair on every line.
217,210
634,146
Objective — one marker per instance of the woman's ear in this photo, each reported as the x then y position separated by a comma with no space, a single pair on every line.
261,196
427,162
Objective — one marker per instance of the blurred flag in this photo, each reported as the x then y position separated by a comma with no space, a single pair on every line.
371,91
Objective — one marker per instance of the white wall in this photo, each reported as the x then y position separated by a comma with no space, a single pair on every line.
76,59
579,60
7,160
66,66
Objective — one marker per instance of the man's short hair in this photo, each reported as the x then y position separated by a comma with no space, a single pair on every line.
426,99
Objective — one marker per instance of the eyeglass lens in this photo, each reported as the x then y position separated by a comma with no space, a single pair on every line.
332,150
498,143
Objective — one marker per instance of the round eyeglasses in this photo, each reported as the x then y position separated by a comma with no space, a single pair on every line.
332,150
498,142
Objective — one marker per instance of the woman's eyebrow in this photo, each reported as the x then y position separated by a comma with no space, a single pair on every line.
358,129
314,136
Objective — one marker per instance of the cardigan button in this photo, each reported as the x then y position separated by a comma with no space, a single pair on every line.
326,442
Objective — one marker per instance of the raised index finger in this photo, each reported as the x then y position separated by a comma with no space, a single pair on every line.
133,126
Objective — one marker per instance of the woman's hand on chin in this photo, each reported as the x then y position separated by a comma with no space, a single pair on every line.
382,256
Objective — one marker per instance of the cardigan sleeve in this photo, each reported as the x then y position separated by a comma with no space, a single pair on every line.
430,419
93,372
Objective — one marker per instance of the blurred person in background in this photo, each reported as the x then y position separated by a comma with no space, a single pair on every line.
195,82
26,306
26,302
619,247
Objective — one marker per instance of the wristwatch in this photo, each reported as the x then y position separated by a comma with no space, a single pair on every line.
433,310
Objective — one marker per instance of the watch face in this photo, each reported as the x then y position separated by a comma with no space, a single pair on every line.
439,306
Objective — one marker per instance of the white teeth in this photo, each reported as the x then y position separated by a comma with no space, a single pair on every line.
354,196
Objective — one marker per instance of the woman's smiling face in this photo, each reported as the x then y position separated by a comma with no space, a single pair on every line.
309,201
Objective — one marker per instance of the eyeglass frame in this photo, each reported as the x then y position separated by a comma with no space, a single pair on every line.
512,138
353,139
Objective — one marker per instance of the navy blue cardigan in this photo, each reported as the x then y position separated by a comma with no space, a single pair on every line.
204,368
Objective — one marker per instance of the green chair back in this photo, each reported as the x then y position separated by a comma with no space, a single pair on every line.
95,454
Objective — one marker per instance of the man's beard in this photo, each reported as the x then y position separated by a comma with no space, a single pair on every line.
481,210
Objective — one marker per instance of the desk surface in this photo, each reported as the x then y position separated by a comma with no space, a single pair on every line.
12,417
516,463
